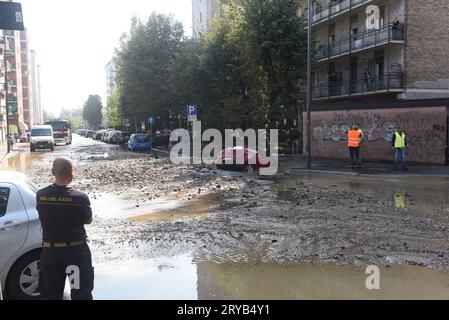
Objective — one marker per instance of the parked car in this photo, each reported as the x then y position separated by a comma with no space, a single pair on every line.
139,142
89,133
119,137
251,160
81,132
106,136
98,134
41,137
124,137
20,237
109,135
161,139
24,137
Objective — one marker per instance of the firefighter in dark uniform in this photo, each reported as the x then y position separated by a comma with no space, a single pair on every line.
63,212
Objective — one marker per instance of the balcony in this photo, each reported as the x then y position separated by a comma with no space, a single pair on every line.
392,82
335,8
362,41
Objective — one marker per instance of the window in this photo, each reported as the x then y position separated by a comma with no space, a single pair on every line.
41,133
4,197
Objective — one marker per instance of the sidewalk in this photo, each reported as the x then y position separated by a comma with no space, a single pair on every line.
299,164
3,151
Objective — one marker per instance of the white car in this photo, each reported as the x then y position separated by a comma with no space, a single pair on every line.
41,137
20,237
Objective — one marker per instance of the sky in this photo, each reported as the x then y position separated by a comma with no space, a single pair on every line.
74,40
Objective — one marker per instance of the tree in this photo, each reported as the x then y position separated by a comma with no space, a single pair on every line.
275,45
113,113
145,60
227,97
92,111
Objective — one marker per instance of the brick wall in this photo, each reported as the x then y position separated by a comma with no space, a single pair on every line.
427,46
426,129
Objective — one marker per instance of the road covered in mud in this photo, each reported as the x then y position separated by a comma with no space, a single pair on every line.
147,208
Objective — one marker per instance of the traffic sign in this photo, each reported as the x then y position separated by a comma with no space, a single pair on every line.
192,110
151,120
11,17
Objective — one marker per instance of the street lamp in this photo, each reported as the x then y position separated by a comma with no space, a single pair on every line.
309,83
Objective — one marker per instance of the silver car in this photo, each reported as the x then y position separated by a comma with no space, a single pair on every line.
20,237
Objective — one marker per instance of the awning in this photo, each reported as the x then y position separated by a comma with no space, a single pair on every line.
23,126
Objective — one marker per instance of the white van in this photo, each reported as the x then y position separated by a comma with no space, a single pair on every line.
41,137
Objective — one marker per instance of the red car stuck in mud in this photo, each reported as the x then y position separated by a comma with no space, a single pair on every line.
228,159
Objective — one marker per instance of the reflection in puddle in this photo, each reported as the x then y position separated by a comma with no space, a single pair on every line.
180,278
170,207
428,194
20,161
162,278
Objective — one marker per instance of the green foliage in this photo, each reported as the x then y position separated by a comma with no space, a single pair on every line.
92,111
244,72
113,114
145,60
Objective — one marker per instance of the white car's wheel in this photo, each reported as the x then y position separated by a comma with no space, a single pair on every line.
23,279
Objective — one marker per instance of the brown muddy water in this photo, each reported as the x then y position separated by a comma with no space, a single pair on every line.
191,277
184,277
427,194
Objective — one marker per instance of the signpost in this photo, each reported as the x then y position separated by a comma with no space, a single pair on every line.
11,18
151,122
192,113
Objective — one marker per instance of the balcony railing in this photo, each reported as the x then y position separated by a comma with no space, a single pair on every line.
367,39
392,82
335,8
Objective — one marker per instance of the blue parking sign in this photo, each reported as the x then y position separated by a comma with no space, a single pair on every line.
151,120
192,110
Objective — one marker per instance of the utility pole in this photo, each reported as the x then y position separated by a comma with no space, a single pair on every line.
309,83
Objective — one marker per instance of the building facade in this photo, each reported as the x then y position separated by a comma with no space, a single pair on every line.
203,12
38,114
16,63
27,80
381,65
110,78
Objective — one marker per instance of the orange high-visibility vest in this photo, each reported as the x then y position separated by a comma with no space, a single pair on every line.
353,138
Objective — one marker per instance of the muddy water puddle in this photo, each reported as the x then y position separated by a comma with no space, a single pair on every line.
21,161
174,206
184,277
427,194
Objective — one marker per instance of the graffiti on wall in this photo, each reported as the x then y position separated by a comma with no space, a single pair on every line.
339,132
426,131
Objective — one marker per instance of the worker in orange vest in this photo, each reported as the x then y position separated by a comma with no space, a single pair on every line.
355,137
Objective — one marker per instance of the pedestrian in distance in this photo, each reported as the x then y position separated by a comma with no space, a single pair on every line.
367,78
399,144
355,137
63,212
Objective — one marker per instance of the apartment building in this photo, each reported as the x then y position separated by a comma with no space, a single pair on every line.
382,65
110,77
38,114
16,61
203,13
27,80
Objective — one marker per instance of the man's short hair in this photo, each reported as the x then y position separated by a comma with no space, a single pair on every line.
63,167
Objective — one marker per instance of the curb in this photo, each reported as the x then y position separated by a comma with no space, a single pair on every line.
406,175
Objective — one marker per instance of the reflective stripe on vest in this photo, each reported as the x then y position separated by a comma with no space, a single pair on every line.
399,142
353,138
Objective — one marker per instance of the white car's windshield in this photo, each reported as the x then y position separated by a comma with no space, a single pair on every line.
41,133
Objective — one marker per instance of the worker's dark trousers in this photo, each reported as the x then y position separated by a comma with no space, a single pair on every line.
57,264
354,155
